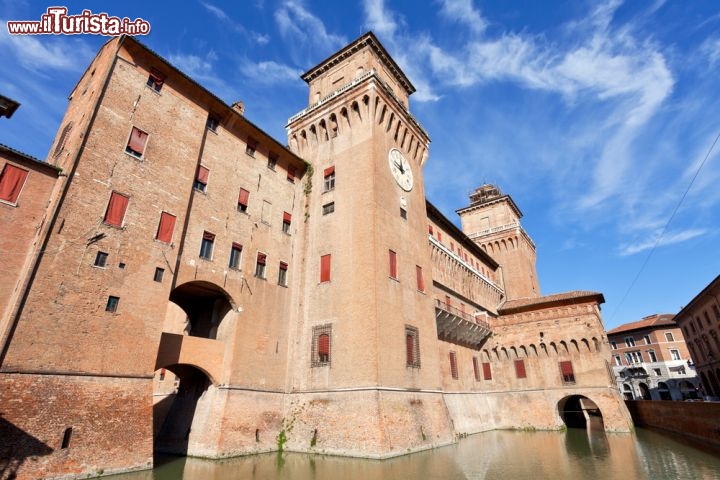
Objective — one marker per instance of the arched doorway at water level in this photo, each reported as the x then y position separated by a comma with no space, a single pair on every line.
578,411
178,393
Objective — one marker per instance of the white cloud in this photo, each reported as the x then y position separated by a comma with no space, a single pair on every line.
194,65
269,72
258,38
462,11
710,49
297,24
380,20
40,53
218,12
667,239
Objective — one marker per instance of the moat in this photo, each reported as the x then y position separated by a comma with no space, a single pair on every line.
517,455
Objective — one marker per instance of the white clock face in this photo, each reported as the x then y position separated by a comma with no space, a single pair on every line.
400,169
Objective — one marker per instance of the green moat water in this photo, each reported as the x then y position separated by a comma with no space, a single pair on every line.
514,455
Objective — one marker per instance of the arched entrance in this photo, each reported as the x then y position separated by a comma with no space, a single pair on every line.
687,390
664,391
627,392
578,411
205,306
177,392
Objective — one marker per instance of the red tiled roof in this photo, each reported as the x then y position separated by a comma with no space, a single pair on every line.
657,320
566,298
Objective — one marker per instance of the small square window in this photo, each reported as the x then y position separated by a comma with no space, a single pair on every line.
155,80
159,273
212,123
121,266
101,259
206,246
235,256
112,304
328,208
282,274
403,213
272,160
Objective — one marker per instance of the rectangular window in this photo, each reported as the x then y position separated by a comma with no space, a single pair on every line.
272,160
325,268
453,365
618,360
243,200
392,258
669,337
260,265
212,123
629,342
634,357
487,373
674,354
235,256
251,147
155,80
476,369
101,259
647,339
115,212
266,213
287,220
430,230
321,346
165,227
282,274
651,354
136,144
439,236
112,304
201,179
566,371
520,368
328,208
12,180
403,213
159,273
613,344
206,247
420,279
412,347
329,179
291,174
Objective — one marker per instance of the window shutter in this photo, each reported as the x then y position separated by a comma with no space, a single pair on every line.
325,268
283,266
236,246
202,174
166,227
430,229
520,368
287,218
291,173
453,365
244,197
487,374
261,258
476,369
324,344
12,180
420,279
209,236
116,209
157,78
410,349
137,141
329,171
566,368
392,257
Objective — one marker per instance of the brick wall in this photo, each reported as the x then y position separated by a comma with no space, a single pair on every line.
697,420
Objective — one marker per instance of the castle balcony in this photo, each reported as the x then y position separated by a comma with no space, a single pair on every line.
204,353
456,326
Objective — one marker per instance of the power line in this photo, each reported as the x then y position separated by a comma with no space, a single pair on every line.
667,224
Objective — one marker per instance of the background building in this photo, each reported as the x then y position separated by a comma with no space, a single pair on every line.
306,298
700,323
651,360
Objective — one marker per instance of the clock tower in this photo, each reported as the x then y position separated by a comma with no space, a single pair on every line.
366,338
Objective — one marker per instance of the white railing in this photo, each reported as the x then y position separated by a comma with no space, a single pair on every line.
465,264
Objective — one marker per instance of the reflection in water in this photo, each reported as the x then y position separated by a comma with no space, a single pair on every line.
577,453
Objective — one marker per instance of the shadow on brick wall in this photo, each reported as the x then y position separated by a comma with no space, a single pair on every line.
17,446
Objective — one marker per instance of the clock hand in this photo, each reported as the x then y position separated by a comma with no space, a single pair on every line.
399,166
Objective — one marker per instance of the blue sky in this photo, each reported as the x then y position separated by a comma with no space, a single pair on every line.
594,116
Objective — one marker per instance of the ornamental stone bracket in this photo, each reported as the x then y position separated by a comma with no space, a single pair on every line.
458,327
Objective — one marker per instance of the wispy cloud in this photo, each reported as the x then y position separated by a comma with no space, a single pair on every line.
221,15
305,33
194,65
463,11
667,239
40,53
269,72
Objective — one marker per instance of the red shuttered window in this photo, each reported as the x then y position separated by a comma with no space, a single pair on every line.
566,370
453,365
12,180
487,373
243,200
325,268
520,368
166,227
420,278
116,208
136,144
392,258
476,369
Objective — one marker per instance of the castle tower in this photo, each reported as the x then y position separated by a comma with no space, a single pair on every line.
493,221
367,329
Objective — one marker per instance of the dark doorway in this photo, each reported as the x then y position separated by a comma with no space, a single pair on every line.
174,411
578,411
205,305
